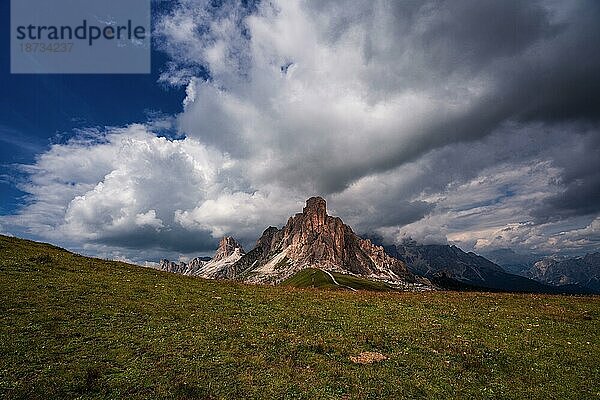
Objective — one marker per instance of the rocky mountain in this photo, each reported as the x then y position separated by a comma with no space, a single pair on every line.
170,266
579,271
227,254
449,266
511,261
313,239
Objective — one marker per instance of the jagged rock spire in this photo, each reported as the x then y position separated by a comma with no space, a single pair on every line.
316,210
227,247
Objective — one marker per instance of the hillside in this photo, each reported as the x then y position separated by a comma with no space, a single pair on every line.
73,326
316,278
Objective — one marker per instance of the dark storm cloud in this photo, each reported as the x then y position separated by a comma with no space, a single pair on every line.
535,63
579,180
467,36
540,71
386,211
457,35
580,197
174,240
516,173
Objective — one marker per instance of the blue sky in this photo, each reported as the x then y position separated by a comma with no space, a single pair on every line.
475,123
39,109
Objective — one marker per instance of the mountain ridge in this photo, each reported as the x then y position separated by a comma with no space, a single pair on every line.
309,239
314,239
228,252
449,266
511,261
583,271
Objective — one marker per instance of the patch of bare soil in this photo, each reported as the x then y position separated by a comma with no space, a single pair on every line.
368,357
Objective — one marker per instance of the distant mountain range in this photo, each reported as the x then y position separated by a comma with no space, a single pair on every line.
581,272
450,266
313,239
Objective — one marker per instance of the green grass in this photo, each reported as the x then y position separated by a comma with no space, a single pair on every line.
310,278
361,284
315,278
74,327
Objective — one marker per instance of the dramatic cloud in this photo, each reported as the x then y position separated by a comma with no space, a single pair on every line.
129,188
473,122
328,94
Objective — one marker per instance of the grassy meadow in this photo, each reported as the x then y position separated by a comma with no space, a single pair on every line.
76,327
316,278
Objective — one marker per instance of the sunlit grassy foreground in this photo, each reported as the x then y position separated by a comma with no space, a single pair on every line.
78,327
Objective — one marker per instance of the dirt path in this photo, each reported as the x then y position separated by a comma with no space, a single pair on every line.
336,282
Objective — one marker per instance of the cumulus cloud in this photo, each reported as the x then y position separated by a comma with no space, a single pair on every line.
126,187
240,213
475,123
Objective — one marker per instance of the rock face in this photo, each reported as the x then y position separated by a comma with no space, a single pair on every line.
314,239
170,266
580,271
227,254
219,267
227,247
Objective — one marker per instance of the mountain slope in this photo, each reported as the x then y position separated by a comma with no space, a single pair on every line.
316,278
443,263
313,239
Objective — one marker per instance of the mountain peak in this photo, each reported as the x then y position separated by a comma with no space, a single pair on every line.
315,211
227,246
315,204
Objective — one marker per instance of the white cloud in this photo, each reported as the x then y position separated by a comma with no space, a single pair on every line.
239,213
547,238
344,106
148,219
127,187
